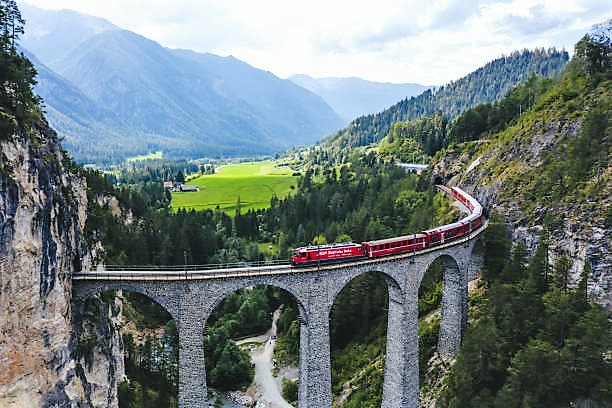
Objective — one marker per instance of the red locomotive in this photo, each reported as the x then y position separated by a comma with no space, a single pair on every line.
317,254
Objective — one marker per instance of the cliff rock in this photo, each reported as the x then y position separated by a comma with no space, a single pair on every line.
42,213
499,176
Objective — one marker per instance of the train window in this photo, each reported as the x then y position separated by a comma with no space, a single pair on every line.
434,238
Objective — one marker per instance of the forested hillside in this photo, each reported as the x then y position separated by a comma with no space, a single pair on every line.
536,338
550,166
533,340
487,84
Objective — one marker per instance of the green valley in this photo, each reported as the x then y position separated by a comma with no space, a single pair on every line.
248,185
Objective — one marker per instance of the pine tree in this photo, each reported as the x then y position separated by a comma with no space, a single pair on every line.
498,245
514,270
11,23
561,270
537,269
19,107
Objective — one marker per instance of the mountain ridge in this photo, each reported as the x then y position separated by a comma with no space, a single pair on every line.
185,103
481,86
352,97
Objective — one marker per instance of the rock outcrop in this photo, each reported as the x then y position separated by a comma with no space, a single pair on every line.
579,230
42,214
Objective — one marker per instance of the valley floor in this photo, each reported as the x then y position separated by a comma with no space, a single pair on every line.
266,388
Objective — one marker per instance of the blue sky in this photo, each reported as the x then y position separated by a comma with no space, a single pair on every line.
429,42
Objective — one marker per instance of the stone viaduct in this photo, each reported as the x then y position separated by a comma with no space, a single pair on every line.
190,297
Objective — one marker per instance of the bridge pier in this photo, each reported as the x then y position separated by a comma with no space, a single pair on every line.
192,392
303,361
454,306
315,372
401,386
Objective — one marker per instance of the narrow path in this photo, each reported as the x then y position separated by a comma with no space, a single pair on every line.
269,387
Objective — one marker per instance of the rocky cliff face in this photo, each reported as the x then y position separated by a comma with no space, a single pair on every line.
496,175
42,214
99,348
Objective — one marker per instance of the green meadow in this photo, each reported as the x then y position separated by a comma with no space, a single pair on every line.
254,184
143,157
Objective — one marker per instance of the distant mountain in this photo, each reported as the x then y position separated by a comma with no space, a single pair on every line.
82,120
353,97
51,34
487,84
132,95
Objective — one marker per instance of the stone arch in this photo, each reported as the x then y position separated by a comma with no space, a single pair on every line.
82,292
476,262
393,286
448,258
454,300
393,370
85,292
228,288
224,288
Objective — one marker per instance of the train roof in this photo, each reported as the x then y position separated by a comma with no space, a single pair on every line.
445,227
394,239
472,200
471,217
327,246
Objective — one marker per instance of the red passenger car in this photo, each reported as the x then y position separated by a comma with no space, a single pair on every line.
312,255
395,245
446,233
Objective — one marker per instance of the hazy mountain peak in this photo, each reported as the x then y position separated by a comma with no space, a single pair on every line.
51,34
133,95
352,97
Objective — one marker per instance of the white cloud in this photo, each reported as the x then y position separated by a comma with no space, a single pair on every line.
426,41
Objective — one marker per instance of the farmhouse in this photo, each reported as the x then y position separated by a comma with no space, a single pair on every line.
186,188
178,186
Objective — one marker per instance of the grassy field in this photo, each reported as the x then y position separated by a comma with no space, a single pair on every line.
143,157
254,183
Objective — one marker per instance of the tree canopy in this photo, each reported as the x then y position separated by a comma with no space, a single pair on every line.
19,107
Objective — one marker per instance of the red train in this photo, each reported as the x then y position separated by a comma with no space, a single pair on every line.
329,253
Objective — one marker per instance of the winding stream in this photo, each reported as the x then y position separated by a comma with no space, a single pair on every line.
268,387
